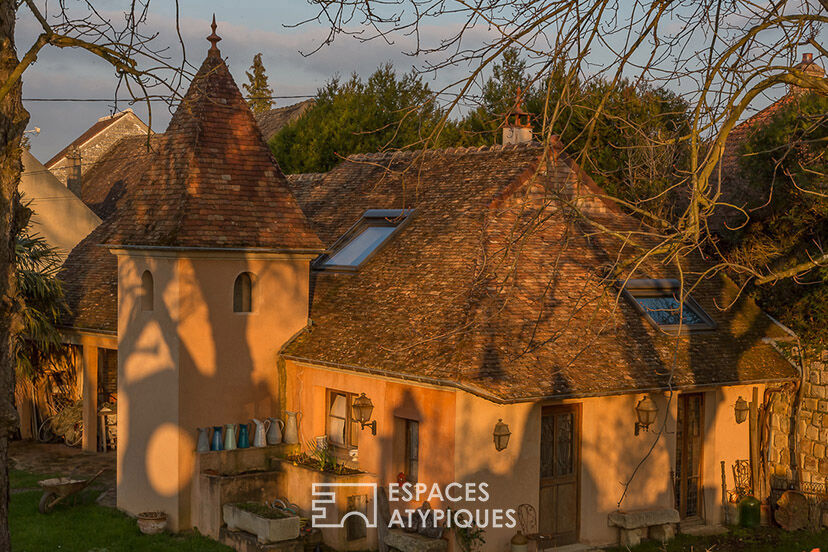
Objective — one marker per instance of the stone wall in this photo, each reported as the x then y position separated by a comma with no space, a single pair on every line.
812,426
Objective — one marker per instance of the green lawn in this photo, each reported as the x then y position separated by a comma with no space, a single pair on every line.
762,539
86,527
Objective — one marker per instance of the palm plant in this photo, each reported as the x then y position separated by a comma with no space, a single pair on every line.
41,303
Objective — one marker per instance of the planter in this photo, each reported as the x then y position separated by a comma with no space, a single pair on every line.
267,529
152,523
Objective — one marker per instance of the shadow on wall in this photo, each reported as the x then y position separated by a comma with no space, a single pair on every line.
193,362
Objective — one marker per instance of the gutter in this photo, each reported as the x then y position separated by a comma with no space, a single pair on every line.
482,393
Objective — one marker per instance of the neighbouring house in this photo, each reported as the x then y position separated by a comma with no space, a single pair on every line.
455,288
272,121
71,164
58,214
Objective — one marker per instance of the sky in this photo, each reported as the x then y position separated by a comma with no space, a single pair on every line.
246,27
262,26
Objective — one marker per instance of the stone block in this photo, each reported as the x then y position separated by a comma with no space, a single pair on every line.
629,537
823,435
813,377
810,404
414,542
811,432
823,466
780,440
822,406
662,533
819,450
810,464
818,391
634,519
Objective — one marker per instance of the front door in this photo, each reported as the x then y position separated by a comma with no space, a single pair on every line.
558,514
689,425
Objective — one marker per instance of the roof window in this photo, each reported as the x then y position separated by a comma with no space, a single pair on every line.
363,239
658,301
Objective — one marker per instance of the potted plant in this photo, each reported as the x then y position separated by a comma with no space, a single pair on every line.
268,524
152,523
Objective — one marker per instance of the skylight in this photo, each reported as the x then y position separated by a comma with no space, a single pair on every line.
658,301
363,239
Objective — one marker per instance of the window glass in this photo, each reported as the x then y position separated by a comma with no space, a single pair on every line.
665,311
243,293
337,419
147,291
356,250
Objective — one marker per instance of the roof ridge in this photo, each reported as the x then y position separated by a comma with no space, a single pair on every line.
401,154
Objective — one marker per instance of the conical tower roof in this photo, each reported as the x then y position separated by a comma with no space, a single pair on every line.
213,183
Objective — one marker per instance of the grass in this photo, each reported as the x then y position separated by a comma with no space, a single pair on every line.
761,539
87,527
19,479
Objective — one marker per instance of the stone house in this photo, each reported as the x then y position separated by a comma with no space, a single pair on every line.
454,288
70,164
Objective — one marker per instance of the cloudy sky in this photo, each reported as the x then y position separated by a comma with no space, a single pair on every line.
261,26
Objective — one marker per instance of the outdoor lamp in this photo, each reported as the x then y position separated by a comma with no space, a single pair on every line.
363,407
645,411
742,409
501,435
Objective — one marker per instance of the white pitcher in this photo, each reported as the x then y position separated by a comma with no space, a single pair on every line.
292,428
261,429
274,432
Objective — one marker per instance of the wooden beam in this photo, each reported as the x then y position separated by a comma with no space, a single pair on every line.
90,398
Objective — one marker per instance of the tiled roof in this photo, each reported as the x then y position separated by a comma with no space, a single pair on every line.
105,182
90,272
213,182
452,299
272,121
101,125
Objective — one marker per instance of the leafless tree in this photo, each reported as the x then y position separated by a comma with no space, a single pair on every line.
141,68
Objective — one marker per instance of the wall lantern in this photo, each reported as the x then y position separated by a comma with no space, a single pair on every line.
363,407
645,411
501,435
741,409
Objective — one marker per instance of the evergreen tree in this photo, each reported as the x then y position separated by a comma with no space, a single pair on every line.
258,91
356,116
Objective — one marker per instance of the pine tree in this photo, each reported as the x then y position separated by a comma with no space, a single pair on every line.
258,91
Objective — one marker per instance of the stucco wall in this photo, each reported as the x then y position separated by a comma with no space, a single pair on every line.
59,215
609,453
432,407
193,362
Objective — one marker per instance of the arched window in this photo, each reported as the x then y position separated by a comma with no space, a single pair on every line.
243,293
147,291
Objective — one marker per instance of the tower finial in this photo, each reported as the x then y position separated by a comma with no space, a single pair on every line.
213,39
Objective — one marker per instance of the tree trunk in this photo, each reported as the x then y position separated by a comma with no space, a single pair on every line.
13,121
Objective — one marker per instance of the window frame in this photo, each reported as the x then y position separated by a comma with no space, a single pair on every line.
236,280
370,217
665,287
147,292
351,434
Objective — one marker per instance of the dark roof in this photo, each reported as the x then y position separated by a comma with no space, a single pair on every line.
452,299
272,121
213,182
90,133
105,182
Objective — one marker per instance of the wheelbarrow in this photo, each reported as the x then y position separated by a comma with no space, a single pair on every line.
59,489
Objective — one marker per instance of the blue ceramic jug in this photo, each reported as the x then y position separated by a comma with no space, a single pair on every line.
203,439
244,436
216,443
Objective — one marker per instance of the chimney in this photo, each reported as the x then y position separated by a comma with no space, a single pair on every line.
518,129
74,178
809,67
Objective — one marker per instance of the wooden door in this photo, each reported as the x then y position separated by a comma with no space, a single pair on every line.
558,512
689,439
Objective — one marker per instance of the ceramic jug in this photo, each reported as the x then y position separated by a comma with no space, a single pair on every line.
229,436
216,443
292,428
244,436
203,439
259,438
274,432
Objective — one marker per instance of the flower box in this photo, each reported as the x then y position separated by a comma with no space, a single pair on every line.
268,524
